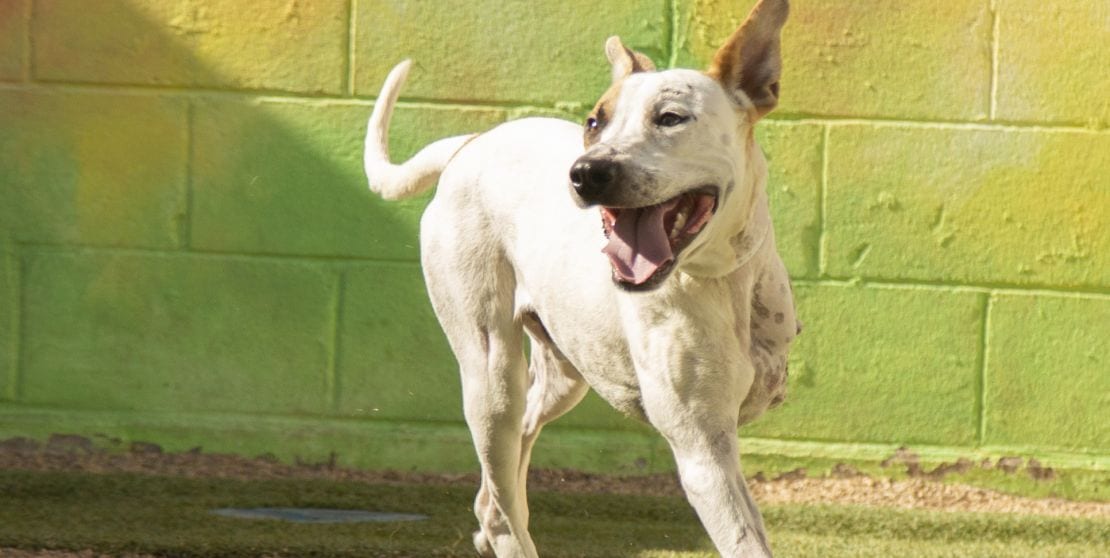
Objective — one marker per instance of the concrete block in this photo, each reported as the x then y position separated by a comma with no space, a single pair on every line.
1016,207
13,38
1053,64
1046,382
394,361
885,58
503,51
263,44
176,333
92,168
794,157
282,177
881,365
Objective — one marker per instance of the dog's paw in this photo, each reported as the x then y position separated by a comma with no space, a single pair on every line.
482,545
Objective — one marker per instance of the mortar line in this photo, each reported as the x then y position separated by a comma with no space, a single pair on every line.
332,380
274,94
984,345
186,227
270,95
1057,292
349,77
266,257
995,28
996,126
671,8
1087,458
1090,293
16,389
822,204
11,296
28,73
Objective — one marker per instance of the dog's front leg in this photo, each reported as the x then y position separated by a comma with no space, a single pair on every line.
696,407
709,467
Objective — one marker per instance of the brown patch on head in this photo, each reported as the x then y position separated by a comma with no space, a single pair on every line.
599,117
624,62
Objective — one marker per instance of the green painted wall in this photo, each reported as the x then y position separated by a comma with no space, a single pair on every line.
189,256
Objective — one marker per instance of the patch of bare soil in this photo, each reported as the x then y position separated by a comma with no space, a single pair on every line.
845,486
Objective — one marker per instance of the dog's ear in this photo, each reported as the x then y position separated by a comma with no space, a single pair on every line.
624,60
750,61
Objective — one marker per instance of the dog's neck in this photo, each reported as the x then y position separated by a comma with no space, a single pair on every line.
745,231
746,244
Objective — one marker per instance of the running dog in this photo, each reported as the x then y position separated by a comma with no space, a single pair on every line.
638,256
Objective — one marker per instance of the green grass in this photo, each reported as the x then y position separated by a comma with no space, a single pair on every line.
170,516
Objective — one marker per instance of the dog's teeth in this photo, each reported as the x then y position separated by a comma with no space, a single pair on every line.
679,222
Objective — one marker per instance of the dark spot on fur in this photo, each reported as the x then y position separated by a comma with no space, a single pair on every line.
771,380
779,317
722,442
690,361
766,345
757,305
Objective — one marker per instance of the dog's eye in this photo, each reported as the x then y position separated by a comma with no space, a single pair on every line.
670,119
591,123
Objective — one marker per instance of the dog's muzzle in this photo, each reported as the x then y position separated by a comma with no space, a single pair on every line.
643,240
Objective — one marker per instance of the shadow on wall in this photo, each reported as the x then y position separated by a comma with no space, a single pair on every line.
187,250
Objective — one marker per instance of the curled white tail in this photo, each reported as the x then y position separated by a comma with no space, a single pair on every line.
394,182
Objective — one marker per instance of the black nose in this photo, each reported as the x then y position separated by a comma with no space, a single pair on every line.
592,177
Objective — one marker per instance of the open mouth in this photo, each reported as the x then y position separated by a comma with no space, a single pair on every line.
645,241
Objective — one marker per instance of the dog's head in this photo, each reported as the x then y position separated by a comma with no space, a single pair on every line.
670,157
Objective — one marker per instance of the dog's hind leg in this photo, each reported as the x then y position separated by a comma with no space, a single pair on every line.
471,288
556,387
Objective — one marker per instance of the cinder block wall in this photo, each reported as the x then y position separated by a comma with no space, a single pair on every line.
188,254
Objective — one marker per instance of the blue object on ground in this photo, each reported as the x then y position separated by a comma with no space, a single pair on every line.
317,515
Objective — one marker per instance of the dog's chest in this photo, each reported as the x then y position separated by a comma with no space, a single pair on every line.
603,357
771,328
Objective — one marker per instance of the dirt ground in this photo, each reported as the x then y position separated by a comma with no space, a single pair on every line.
844,486
16,553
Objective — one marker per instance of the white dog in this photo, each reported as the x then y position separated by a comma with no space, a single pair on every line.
642,265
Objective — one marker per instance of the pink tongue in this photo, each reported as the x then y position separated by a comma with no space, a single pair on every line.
638,244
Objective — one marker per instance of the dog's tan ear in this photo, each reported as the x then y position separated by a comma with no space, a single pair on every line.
624,60
750,61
